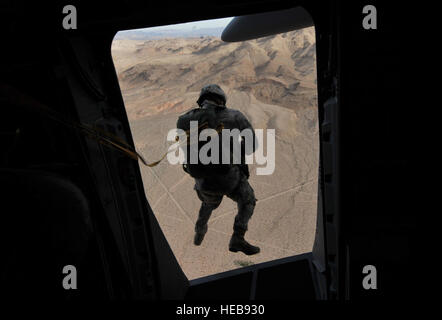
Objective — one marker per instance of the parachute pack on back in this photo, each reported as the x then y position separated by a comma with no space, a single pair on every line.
206,118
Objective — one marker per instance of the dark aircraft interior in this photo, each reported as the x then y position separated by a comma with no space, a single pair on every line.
69,196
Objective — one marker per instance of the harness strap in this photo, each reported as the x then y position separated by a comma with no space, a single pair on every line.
105,138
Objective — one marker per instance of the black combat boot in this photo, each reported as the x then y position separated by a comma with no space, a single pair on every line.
237,243
200,232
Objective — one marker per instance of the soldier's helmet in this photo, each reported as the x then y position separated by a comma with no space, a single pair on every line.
212,91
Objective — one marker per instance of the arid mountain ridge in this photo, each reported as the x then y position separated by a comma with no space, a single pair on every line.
277,70
143,34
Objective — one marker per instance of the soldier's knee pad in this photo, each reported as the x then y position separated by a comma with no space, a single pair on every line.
249,200
211,205
247,206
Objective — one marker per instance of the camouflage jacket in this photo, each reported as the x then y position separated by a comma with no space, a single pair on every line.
215,116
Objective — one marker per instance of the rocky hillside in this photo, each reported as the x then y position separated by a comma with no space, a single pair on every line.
163,76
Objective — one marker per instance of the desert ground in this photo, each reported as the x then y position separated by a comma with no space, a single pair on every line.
272,80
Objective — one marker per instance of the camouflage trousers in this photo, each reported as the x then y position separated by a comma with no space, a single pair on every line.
244,197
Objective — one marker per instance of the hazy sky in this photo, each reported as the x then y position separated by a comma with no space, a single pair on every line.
194,25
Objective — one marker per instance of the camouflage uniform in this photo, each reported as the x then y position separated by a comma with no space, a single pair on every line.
233,183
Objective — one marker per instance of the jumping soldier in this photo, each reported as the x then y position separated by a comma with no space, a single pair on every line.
213,182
